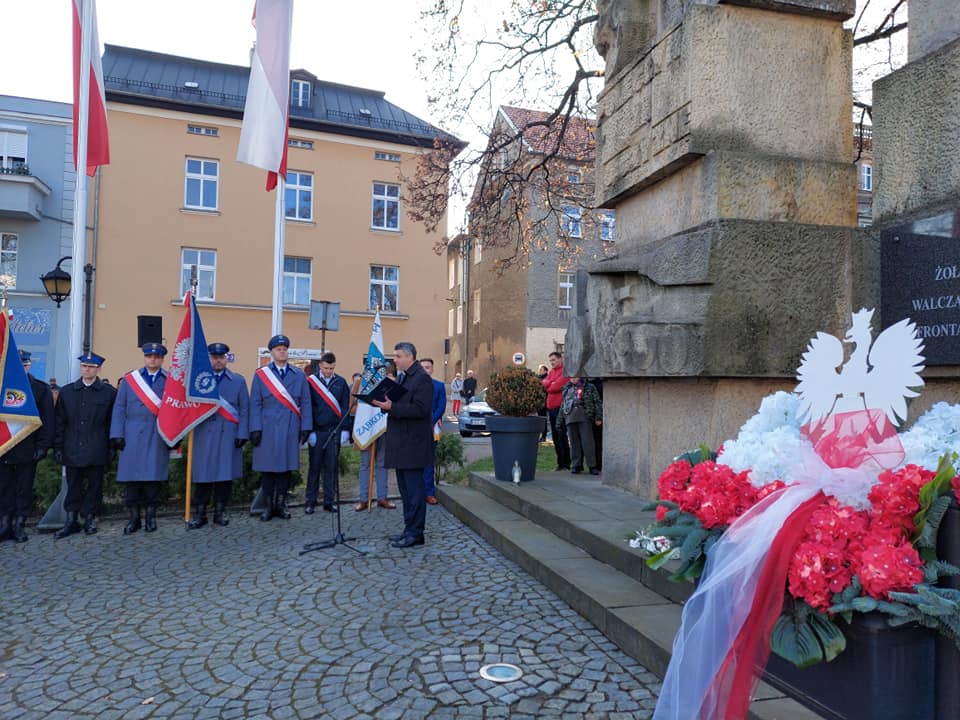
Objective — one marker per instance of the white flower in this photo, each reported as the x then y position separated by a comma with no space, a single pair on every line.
934,434
653,544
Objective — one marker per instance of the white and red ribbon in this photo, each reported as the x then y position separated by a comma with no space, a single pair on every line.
143,391
325,393
277,389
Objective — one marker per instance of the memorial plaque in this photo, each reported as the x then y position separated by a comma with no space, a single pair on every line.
920,279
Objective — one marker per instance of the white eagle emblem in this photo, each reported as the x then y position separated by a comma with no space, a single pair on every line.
179,359
874,377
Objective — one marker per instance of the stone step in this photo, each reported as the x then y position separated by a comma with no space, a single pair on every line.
587,570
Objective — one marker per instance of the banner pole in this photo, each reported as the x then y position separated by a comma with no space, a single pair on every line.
186,494
373,465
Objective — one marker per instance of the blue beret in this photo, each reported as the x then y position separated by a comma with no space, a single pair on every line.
154,349
24,356
91,358
218,348
278,340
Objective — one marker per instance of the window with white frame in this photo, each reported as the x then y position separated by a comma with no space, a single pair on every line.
866,177
565,289
571,223
452,271
389,157
300,93
476,307
303,144
206,264
608,225
384,287
477,251
386,206
296,281
201,184
203,130
451,321
459,318
573,178
8,259
13,149
299,196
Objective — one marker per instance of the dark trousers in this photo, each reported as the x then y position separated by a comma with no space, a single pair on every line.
429,485
560,444
581,445
410,483
84,489
323,460
16,488
142,494
274,483
220,490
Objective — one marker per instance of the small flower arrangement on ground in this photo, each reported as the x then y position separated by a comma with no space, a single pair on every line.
863,548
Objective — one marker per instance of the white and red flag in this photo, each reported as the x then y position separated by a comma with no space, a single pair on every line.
263,137
191,394
98,143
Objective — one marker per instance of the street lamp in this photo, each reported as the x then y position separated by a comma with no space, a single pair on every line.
57,282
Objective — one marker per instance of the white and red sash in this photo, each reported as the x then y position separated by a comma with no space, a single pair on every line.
325,393
277,389
228,411
143,391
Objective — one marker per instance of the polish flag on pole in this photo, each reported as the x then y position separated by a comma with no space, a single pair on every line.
89,128
263,137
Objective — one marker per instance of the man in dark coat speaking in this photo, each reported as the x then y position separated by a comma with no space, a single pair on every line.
409,440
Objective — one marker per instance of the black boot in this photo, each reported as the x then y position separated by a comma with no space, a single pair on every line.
90,525
281,505
268,509
6,527
133,524
150,522
199,518
219,515
19,534
70,527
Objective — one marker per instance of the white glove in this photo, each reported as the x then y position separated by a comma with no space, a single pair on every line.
312,439
344,437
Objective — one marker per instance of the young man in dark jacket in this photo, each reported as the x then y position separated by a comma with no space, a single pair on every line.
409,440
330,397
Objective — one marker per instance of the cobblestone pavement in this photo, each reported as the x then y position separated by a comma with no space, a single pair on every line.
232,623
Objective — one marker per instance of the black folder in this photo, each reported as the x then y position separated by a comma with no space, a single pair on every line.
385,389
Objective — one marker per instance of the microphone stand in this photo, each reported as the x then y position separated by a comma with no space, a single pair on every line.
339,538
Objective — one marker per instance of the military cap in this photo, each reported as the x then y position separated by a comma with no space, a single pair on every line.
24,356
218,348
278,340
154,349
91,358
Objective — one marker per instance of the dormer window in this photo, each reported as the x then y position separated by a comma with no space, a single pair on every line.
300,93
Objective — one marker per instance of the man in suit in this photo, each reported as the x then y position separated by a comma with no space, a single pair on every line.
409,439
280,421
330,398
218,442
82,443
436,417
18,466
144,455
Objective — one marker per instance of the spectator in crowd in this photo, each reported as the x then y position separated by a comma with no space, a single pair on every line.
456,392
553,383
469,387
580,412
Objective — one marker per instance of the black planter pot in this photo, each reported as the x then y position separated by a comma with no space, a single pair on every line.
948,656
884,673
515,439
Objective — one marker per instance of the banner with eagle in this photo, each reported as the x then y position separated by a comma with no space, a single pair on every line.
18,414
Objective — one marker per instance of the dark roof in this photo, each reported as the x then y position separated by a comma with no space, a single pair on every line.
579,138
142,77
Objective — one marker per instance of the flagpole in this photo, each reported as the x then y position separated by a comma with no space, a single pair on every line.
278,243
373,462
186,495
80,191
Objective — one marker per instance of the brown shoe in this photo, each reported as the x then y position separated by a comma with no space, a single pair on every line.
360,506
386,505
432,500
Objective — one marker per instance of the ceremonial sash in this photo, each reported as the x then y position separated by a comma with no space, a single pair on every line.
277,389
143,391
325,393
228,411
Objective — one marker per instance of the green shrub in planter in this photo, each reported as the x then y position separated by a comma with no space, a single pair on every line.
516,392
449,452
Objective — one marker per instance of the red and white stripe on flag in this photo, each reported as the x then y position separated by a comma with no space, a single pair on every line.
263,136
98,142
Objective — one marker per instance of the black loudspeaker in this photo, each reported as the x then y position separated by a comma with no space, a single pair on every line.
149,329
446,346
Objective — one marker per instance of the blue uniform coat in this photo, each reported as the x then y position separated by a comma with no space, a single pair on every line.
146,456
214,456
279,449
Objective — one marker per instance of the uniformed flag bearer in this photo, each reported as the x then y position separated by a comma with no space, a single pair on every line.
18,466
144,456
82,443
280,421
218,441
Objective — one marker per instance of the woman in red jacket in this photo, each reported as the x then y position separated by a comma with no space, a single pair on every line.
553,384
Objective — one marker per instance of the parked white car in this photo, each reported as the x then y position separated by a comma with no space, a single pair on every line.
473,417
